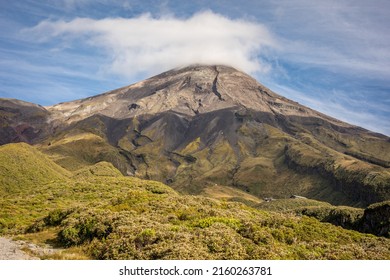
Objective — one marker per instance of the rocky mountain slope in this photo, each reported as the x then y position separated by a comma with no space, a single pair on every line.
21,121
204,127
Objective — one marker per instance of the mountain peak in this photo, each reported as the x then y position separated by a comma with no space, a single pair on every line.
202,67
191,90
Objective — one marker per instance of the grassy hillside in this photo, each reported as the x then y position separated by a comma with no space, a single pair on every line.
100,214
22,165
32,185
77,149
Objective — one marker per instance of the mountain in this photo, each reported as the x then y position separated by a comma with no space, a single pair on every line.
202,129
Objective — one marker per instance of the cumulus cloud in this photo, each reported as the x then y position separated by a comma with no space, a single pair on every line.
146,44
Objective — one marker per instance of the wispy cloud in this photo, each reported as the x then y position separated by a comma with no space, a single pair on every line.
339,35
146,44
340,105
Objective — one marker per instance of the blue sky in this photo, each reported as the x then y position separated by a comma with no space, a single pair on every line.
333,56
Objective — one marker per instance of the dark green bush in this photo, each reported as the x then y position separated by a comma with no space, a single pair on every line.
54,218
85,227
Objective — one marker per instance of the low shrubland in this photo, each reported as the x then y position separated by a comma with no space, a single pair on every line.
101,214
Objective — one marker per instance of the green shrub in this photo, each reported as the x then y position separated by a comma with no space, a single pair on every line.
207,222
85,227
54,218
376,219
69,236
3,225
146,237
36,227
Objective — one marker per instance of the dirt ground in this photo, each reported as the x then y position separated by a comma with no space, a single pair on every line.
12,250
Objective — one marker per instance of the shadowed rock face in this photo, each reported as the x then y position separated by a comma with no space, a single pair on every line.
203,125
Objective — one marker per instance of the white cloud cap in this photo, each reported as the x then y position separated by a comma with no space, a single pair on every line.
150,45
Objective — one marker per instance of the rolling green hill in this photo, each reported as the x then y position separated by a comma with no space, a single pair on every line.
22,165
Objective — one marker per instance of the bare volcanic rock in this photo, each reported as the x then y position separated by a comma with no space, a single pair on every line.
190,91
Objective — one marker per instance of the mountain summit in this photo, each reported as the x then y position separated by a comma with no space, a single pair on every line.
205,129
190,91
